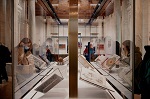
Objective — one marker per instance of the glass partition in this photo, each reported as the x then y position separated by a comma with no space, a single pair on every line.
115,44
32,46
41,48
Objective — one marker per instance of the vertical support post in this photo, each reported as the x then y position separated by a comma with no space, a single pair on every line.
73,48
12,45
31,16
117,12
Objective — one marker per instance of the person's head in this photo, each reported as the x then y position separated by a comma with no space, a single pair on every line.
26,43
47,47
126,47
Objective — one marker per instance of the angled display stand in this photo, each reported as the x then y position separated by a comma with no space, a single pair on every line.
44,59
66,60
118,79
93,78
126,74
26,76
49,82
84,62
38,63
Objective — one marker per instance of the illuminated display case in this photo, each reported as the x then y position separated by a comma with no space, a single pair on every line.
94,81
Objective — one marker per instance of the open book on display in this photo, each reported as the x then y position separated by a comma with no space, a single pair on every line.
94,78
109,63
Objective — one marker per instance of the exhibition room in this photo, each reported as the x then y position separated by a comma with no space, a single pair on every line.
61,49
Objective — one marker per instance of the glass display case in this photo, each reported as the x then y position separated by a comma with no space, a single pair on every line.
41,61
116,40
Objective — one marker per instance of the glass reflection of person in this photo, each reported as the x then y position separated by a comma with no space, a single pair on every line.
126,51
24,50
48,54
126,46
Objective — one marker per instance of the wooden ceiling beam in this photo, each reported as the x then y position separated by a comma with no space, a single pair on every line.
103,10
40,5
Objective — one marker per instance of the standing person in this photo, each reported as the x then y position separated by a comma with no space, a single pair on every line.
118,48
85,52
118,51
144,74
138,59
48,54
126,51
4,56
126,46
91,52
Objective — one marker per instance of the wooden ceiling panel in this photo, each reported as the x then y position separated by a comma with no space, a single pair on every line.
86,8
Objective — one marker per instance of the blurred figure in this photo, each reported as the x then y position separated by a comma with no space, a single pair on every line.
4,58
126,46
24,50
60,61
118,51
144,74
48,54
118,48
137,61
92,52
85,52
126,52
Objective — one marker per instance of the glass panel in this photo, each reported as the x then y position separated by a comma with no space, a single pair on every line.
111,35
41,49
6,27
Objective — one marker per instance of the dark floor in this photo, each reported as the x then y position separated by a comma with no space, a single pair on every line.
6,89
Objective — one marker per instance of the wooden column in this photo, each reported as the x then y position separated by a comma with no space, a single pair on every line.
73,48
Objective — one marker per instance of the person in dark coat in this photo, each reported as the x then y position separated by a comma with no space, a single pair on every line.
138,59
118,48
48,54
85,53
144,74
4,56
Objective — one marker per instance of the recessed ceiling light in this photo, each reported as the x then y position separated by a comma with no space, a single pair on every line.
54,4
93,4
